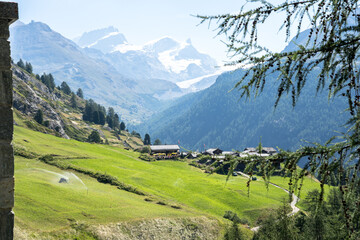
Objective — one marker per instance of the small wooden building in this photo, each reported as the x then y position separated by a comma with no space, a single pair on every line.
213,151
264,152
165,151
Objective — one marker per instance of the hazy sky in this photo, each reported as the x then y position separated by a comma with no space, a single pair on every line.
143,20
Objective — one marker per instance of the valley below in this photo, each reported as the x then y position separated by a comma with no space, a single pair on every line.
167,199
96,119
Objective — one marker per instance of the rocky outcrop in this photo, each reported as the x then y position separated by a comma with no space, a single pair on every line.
30,95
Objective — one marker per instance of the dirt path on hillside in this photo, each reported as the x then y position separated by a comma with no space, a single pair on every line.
295,199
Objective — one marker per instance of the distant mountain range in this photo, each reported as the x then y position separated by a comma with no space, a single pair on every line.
134,80
164,58
217,117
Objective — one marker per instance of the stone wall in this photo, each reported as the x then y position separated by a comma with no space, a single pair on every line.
8,14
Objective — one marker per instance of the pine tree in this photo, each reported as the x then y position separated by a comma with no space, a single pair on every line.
21,64
73,101
122,126
157,142
28,67
39,116
110,117
80,93
147,140
102,118
65,88
51,82
116,121
87,115
48,80
96,117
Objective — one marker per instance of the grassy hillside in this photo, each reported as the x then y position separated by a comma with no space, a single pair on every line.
60,116
173,190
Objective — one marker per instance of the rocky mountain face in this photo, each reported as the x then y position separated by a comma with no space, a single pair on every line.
30,95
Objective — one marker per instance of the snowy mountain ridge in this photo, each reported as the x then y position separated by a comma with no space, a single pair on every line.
163,58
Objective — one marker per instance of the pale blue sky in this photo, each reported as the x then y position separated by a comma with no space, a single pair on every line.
143,20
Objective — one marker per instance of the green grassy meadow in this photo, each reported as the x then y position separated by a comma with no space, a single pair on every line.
41,201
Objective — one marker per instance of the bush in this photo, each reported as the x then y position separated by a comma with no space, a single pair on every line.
232,217
46,158
46,123
146,157
22,152
234,233
145,149
94,137
203,159
39,116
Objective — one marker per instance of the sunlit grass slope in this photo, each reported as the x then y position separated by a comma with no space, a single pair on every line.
40,199
43,204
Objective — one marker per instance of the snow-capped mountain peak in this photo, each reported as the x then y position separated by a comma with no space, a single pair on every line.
163,58
162,44
105,39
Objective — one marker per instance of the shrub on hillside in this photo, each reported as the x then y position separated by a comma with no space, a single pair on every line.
145,149
146,157
39,116
22,152
94,137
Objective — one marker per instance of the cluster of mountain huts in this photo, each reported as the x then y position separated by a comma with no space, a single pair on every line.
212,154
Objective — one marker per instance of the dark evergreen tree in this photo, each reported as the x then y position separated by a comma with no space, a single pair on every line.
116,121
96,117
110,117
147,140
73,101
38,77
48,80
80,93
39,116
28,67
65,88
94,112
21,64
51,83
102,118
157,142
94,137
122,126
87,115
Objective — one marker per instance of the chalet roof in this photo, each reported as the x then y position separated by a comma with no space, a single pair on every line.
229,153
245,154
212,151
164,148
250,149
269,150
